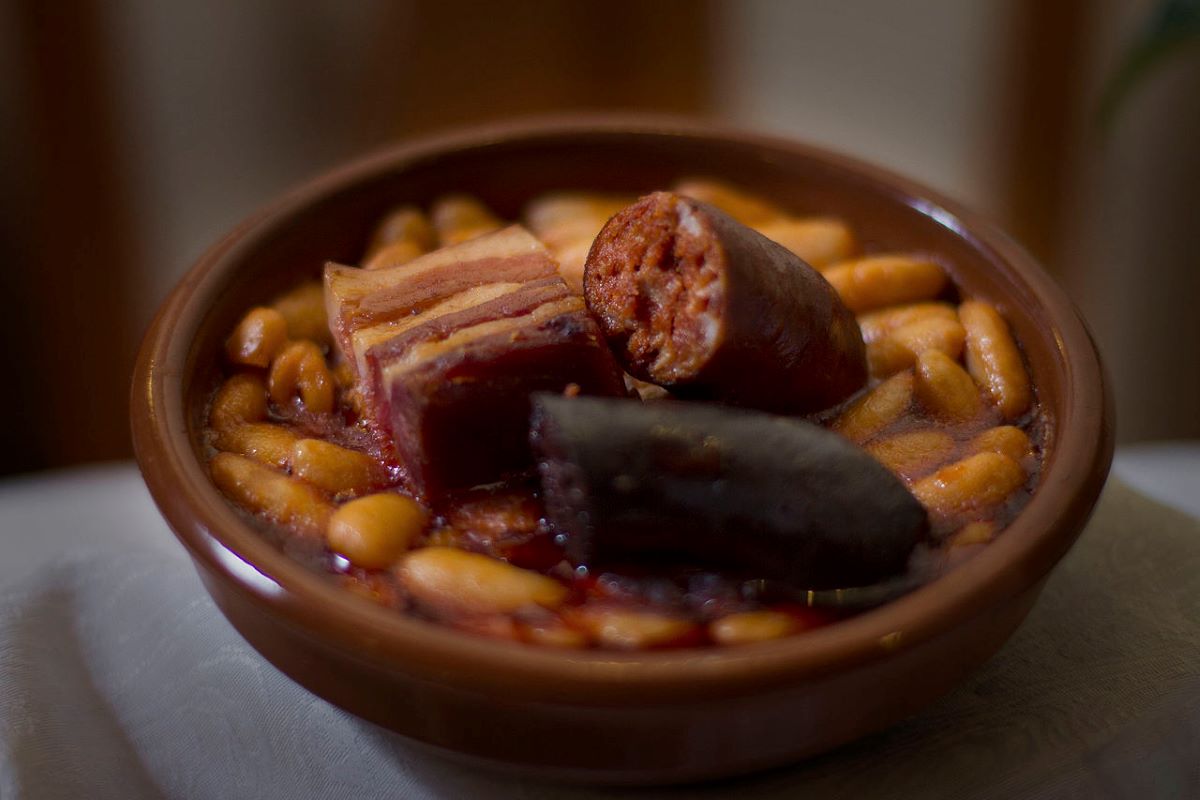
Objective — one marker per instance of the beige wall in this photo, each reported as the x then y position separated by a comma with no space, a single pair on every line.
1131,243
909,85
225,104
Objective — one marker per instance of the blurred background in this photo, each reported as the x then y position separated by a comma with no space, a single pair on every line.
135,132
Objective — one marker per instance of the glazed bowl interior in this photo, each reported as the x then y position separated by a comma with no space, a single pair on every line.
330,219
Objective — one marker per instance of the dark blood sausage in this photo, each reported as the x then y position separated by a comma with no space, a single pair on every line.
447,349
693,300
696,484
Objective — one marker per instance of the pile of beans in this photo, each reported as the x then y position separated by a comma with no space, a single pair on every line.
949,409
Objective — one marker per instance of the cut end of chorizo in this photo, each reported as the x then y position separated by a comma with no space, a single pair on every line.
654,281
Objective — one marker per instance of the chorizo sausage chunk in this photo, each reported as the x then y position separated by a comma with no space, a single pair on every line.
695,301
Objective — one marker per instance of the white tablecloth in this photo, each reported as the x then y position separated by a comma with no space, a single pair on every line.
120,679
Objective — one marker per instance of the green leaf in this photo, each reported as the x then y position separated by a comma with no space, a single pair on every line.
1174,25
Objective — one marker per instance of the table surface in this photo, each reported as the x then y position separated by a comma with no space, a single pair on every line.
119,678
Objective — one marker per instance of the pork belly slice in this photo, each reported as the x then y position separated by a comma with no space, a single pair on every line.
356,298
449,347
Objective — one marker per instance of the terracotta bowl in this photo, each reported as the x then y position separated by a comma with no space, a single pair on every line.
603,716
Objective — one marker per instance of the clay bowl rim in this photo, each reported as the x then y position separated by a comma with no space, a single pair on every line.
224,544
